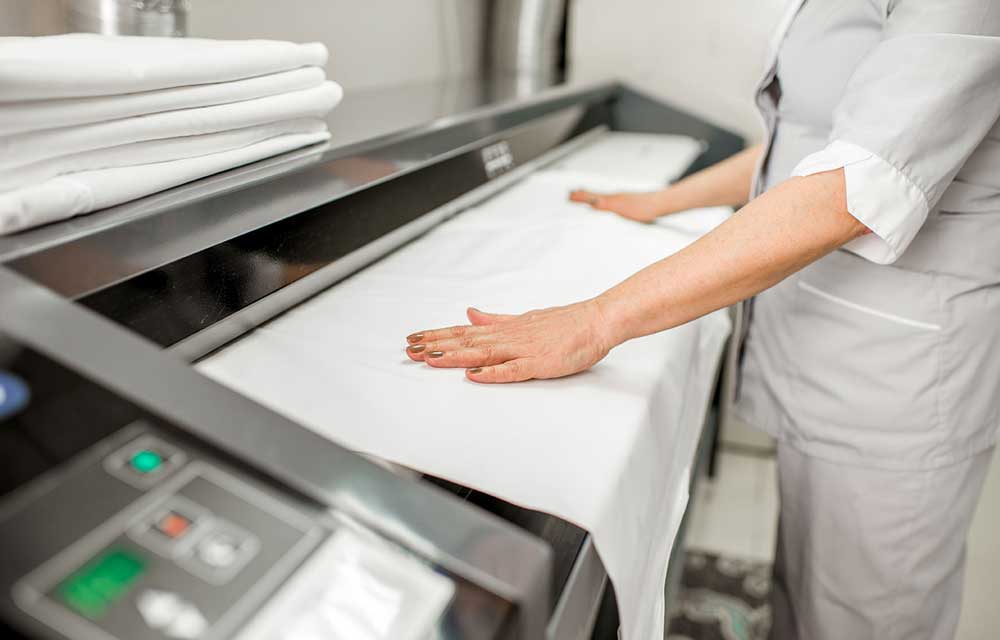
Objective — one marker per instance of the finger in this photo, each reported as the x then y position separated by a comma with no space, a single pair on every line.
479,318
511,371
416,352
582,195
423,337
421,351
468,358
467,341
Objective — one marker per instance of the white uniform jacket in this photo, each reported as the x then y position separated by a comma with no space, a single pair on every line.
887,352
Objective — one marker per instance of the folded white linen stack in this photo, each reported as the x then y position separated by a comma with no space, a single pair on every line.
89,121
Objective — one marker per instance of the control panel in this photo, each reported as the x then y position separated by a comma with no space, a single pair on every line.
190,553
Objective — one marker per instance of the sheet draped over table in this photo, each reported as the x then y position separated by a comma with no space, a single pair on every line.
609,449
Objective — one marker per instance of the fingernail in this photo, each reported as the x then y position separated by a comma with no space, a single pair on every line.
476,370
435,354
416,337
416,348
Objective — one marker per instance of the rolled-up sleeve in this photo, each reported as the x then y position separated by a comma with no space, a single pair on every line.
913,112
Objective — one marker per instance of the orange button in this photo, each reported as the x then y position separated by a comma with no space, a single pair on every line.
173,525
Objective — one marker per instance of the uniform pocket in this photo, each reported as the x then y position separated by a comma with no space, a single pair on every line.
867,377
876,313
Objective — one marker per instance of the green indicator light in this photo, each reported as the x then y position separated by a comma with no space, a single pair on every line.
94,588
146,461
81,598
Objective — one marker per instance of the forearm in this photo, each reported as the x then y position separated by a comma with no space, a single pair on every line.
772,237
725,183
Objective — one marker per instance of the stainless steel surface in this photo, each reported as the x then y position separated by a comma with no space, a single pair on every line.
580,601
369,114
468,542
112,17
525,39
129,17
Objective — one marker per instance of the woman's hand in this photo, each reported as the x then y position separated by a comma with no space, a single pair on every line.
549,343
641,207
725,183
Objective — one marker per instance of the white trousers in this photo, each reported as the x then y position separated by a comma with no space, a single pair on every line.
867,554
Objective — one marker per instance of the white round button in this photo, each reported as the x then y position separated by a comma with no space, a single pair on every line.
218,551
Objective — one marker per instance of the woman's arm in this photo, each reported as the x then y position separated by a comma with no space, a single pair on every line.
724,183
773,236
779,233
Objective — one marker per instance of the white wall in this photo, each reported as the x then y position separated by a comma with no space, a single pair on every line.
704,56
372,43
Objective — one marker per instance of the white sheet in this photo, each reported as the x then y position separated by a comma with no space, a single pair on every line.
78,193
154,151
650,158
35,115
27,148
79,65
608,449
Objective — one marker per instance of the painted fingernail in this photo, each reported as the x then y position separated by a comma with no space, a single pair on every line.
415,337
476,370
435,354
416,348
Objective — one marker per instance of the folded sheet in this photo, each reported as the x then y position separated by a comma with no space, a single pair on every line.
27,148
78,193
35,115
79,65
154,151
609,449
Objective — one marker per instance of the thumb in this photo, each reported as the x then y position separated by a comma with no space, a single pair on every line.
479,318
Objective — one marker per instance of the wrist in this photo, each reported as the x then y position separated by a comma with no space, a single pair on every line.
664,201
611,319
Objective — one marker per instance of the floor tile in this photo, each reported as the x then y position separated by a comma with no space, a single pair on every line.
734,513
